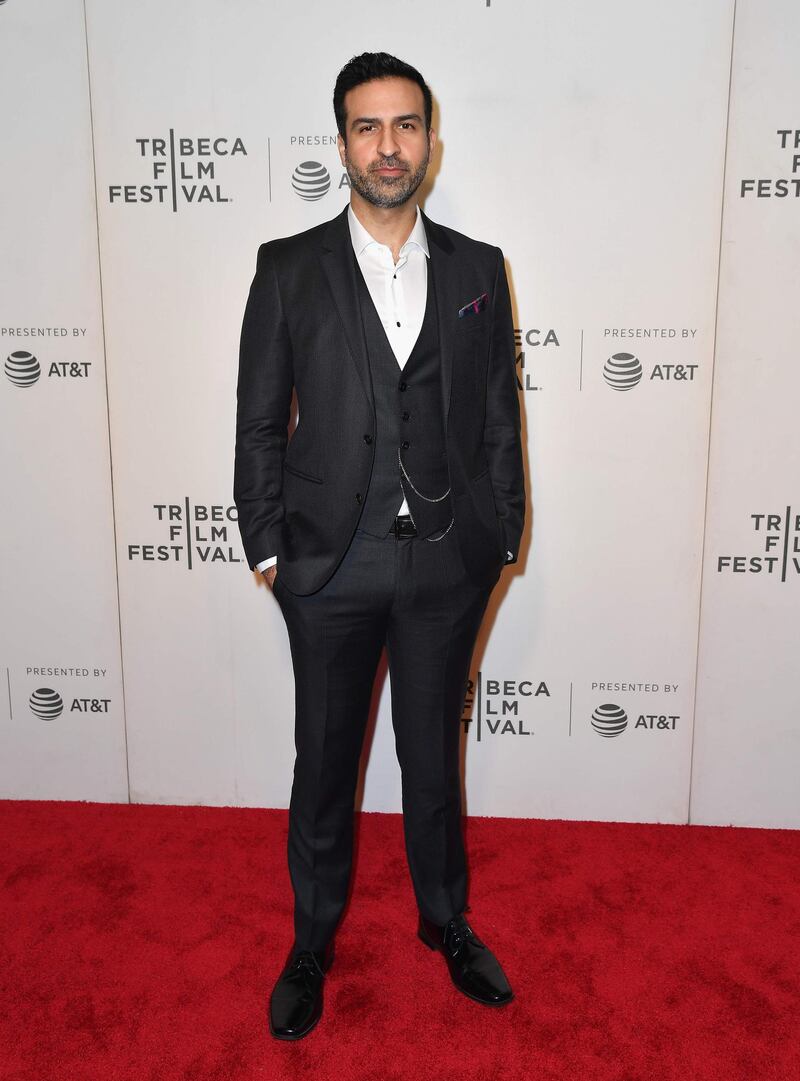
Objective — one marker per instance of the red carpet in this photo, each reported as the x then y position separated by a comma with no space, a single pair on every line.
141,942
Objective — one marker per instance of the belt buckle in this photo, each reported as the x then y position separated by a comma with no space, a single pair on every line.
404,526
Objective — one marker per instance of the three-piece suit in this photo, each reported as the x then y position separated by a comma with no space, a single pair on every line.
441,434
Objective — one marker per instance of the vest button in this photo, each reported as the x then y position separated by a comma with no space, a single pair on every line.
367,438
405,444
358,497
406,415
402,386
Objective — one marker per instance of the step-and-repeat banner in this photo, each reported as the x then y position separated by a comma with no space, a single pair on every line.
62,719
747,728
635,163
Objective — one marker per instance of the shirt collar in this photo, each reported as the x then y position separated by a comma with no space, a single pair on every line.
361,238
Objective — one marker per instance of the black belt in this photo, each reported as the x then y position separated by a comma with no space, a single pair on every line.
403,526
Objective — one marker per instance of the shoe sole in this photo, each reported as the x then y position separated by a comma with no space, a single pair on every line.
295,1036
483,1001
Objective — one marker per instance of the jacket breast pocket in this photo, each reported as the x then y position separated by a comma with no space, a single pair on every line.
475,321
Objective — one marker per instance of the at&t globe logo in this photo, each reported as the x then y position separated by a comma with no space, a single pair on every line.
622,371
22,368
311,180
46,703
609,720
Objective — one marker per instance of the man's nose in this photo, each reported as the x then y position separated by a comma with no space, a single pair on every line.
387,144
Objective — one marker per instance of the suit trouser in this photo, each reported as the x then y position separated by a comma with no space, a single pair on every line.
416,597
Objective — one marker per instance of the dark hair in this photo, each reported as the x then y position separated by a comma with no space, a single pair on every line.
368,66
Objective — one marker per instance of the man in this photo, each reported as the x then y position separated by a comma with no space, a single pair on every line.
387,518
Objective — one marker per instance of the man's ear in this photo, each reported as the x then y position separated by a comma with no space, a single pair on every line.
340,145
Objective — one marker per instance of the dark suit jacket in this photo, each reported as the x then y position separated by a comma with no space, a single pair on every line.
302,500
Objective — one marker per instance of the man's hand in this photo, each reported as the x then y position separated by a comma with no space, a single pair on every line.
269,573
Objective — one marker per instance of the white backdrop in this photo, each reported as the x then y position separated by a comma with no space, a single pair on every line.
62,720
747,744
589,142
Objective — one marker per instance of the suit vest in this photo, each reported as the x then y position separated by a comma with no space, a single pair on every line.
410,453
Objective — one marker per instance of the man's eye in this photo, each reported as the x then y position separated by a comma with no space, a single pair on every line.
365,127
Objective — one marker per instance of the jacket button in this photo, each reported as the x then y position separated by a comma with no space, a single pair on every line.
368,438
406,415
358,497
405,444
402,386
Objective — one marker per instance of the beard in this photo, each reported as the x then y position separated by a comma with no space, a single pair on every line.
386,191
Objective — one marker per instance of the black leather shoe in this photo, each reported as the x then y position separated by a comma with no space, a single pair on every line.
295,1005
474,969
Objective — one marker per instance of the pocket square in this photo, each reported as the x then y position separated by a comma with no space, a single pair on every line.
474,306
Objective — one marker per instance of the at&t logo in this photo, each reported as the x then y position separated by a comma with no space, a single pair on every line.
24,370
610,719
624,371
311,180
48,704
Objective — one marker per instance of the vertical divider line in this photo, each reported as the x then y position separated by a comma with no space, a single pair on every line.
108,407
710,420
479,687
786,544
188,535
172,168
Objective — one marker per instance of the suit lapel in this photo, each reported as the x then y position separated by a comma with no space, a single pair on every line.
337,262
444,279
336,255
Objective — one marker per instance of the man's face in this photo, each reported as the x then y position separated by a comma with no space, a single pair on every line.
388,149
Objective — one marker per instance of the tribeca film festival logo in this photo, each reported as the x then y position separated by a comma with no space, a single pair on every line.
500,707
532,338
192,534
180,170
782,187
778,536
47,703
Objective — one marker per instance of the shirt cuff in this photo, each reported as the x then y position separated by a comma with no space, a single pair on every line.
262,566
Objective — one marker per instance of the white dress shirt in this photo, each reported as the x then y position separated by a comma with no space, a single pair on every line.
399,292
